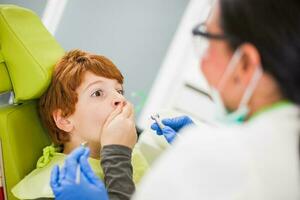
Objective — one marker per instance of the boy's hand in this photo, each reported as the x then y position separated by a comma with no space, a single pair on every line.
119,127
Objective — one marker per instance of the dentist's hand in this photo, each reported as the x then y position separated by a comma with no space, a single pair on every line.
119,127
172,127
63,182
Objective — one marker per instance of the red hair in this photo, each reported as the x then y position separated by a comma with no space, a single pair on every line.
67,77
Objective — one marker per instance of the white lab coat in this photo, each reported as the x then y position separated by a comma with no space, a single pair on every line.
257,160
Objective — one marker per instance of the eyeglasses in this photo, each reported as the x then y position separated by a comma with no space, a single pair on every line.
201,30
201,39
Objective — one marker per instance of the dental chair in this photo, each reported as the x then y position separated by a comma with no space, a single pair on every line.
28,53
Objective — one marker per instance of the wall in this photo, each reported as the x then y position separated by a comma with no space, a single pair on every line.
180,87
37,6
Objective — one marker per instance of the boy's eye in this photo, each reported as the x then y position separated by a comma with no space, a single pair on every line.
98,93
121,92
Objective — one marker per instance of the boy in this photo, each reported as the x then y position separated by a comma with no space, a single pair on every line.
84,91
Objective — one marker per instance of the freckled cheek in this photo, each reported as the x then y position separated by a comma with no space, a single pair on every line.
89,117
99,117
94,115
93,123
102,115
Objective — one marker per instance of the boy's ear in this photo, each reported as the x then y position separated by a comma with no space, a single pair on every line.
62,122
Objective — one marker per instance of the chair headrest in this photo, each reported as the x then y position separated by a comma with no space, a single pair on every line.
5,85
29,52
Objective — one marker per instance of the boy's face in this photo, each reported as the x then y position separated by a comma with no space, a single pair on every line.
97,98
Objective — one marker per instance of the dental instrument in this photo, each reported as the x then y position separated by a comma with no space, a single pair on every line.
83,144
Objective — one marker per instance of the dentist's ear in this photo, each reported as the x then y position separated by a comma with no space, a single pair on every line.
62,122
249,63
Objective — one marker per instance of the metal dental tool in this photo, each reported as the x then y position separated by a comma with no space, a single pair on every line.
156,118
83,144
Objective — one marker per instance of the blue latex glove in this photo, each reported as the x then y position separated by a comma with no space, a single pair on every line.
172,127
63,183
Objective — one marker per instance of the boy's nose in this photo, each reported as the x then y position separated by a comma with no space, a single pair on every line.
116,103
118,99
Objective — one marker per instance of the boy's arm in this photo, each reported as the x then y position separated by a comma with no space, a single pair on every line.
117,168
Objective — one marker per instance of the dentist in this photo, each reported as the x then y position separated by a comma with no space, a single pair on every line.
252,64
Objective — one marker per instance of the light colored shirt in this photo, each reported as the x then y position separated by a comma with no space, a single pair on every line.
256,160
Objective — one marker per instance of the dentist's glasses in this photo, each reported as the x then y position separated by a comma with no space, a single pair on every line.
201,38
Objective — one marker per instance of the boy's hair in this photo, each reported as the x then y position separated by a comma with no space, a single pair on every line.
67,77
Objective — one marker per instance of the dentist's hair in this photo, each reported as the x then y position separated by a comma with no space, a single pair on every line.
273,27
67,76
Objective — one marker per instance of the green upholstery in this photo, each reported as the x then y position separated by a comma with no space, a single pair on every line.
4,77
23,139
28,53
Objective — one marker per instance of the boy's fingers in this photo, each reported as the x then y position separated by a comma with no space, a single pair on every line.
115,113
127,110
132,116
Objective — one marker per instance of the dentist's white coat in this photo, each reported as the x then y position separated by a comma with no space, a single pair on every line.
257,160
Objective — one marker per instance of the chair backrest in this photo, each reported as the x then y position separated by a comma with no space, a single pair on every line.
28,53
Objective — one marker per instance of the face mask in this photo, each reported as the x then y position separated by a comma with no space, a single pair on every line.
238,116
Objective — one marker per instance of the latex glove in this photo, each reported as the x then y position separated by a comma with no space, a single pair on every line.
63,183
172,127
169,134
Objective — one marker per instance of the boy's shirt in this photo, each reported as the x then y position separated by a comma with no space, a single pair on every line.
37,183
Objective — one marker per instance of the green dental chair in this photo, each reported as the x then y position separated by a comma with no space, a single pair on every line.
28,53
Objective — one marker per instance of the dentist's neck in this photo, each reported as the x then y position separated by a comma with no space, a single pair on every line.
266,94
